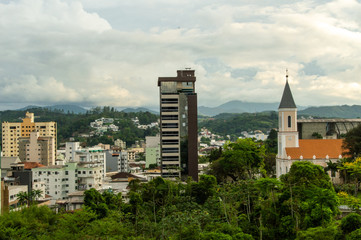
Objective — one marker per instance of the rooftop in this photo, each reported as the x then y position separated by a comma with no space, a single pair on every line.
334,120
320,148
30,165
287,98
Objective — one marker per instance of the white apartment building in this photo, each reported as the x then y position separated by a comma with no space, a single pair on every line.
87,157
59,181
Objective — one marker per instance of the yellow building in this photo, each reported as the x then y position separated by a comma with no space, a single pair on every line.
12,131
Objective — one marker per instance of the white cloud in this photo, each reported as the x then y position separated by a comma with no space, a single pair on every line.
112,52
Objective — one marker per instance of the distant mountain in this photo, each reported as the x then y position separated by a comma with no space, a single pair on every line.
237,106
139,109
344,111
67,108
28,107
62,108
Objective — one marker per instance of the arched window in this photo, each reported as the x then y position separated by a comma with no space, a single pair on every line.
289,121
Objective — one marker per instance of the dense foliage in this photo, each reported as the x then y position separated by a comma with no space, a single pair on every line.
240,201
302,205
352,142
72,125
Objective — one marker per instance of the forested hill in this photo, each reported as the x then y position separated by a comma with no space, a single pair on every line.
344,111
72,125
235,123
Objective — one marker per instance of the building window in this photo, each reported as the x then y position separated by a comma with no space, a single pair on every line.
289,121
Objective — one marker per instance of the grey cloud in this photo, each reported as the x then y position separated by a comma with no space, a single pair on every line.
113,53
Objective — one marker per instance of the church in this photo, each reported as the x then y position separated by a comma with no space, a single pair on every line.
291,148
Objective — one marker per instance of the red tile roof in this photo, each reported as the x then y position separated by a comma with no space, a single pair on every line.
30,165
316,147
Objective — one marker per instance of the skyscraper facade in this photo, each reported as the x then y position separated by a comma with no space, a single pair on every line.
178,125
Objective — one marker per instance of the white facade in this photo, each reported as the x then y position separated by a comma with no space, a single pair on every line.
59,181
86,157
70,148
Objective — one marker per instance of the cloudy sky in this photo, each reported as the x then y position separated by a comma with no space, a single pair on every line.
111,52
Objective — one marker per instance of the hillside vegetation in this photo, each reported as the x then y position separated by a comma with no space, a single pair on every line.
234,124
72,125
344,111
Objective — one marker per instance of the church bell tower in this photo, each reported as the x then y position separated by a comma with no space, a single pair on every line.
287,122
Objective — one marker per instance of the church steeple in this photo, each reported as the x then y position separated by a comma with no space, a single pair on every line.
287,98
287,124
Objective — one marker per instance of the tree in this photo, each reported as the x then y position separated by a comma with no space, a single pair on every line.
101,204
309,195
352,142
350,223
204,188
271,142
318,233
354,168
29,197
214,154
242,159
316,135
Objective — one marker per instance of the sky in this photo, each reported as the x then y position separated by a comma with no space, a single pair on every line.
111,52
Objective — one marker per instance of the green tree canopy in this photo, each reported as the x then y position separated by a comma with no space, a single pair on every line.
352,142
242,159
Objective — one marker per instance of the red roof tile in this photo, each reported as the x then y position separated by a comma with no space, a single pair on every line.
30,165
316,147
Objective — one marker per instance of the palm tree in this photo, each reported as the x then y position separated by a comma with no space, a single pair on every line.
29,197
22,198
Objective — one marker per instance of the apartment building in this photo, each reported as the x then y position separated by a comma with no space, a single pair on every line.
13,131
116,161
59,181
87,157
37,149
152,150
178,125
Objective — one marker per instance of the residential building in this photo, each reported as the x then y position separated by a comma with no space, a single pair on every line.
120,143
59,181
152,150
73,201
178,125
13,191
70,149
116,161
6,163
22,174
123,162
37,149
90,157
291,148
12,131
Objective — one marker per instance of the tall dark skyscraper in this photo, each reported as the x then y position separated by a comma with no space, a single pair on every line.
178,125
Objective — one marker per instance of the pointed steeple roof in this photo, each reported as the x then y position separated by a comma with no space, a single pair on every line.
287,98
